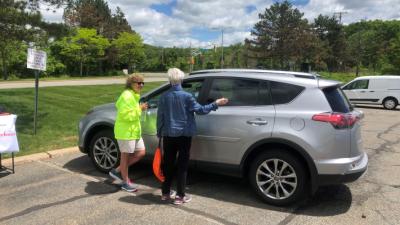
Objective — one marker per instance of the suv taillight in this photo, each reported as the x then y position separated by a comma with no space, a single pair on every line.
338,120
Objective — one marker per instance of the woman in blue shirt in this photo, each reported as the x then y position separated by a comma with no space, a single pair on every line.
176,125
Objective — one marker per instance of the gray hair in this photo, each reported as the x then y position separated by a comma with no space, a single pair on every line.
175,76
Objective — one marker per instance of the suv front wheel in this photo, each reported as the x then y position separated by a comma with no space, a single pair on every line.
104,151
278,177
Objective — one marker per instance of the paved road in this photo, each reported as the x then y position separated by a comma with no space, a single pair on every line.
149,77
68,190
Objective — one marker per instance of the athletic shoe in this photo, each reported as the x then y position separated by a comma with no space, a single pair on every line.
169,196
127,187
115,175
180,200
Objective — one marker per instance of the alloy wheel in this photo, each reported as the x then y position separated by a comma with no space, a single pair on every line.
105,153
276,179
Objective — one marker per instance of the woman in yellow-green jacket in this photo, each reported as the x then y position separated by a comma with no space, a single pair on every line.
127,130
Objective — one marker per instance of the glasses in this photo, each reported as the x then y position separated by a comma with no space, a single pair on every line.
139,83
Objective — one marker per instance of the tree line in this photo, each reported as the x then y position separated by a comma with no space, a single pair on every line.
94,41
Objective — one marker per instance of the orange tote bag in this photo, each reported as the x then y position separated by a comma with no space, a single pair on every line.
157,162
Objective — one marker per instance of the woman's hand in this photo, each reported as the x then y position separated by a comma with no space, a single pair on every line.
221,101
143,106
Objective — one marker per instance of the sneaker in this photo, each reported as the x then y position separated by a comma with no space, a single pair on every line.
127,187
180,200
115,175
171,195
133,185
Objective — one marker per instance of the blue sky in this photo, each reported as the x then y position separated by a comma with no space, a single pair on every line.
206,34
198,23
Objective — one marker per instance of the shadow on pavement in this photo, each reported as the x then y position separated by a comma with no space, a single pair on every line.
144,199
4,172
328,201
101,188
378,107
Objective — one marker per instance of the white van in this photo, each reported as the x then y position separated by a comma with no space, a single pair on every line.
375,90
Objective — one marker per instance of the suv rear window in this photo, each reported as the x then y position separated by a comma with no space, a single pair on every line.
283,93
337,100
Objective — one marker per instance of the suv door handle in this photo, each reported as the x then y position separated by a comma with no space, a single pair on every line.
371,91
257,122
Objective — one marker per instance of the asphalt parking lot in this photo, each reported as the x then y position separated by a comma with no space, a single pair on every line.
69,190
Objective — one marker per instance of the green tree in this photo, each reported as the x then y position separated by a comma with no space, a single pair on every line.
87,13
281,35
17,25
130,49
117,24
393,56
331,33
85,47
372,44
96,14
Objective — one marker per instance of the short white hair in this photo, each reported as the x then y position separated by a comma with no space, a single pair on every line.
175,76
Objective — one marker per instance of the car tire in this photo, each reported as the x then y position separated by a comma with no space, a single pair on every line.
390,103
276,186
104,151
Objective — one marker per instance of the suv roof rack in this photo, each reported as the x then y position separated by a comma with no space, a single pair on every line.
291,73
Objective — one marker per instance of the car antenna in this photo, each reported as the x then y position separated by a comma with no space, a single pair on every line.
316,76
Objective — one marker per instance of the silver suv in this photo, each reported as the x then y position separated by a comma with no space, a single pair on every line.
287,132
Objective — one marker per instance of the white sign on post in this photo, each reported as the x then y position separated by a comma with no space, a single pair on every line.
8,135
36,59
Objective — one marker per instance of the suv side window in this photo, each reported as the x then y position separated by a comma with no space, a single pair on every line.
191,86
283,93
240,92
358,84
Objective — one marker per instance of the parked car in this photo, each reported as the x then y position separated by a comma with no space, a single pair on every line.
287,132
376,90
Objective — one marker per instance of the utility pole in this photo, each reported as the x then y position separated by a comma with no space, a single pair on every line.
190,58
222,45
340,15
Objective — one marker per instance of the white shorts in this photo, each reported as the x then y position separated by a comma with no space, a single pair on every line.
130,146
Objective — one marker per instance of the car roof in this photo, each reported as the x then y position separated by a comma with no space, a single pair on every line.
299,78
292,73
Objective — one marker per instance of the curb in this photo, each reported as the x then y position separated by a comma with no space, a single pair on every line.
39,156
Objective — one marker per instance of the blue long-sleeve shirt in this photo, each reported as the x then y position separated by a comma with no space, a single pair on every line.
175,114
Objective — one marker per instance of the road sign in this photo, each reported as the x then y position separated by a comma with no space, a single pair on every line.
36,59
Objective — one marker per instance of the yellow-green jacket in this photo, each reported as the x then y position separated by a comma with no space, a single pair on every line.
127,123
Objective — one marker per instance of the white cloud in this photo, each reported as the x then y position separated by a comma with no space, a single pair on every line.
139,3
354,10
162,30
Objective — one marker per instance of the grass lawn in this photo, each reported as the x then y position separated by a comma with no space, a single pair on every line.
59,110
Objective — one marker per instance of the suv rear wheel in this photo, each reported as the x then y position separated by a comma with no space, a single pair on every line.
278,177
104,151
